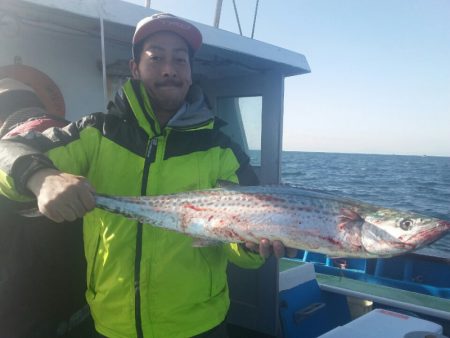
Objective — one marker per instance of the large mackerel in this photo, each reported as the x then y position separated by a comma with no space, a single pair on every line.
302,219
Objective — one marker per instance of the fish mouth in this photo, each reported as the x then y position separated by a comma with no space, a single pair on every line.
444,224
430,235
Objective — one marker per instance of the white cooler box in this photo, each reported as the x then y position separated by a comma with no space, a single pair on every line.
387,324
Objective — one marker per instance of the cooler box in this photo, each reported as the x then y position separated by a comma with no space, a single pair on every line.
304,309
383,323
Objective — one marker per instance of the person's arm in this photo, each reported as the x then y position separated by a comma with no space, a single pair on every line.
18,161
28,166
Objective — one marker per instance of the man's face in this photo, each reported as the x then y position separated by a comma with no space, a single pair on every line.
165,70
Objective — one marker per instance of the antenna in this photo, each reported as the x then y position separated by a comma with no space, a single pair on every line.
218,9
254,18
237,17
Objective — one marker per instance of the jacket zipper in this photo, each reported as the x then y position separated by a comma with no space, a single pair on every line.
149,156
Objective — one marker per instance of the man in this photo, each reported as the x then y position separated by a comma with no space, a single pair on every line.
42,264
159,137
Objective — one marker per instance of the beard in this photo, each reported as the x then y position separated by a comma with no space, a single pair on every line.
167,96
167,103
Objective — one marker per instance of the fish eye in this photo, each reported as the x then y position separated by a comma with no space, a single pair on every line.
406,224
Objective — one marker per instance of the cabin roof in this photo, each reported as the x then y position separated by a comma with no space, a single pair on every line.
223,53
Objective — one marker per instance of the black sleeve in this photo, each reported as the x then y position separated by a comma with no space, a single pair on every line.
24,155
246,175
21,161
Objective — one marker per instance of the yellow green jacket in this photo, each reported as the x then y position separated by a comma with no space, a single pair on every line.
142,281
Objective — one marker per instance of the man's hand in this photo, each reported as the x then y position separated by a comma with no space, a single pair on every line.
265,249
60,196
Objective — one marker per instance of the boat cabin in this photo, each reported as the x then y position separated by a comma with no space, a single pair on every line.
75,55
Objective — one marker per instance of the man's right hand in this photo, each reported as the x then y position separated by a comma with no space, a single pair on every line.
60,196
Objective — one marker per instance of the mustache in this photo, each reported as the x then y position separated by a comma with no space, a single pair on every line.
170,82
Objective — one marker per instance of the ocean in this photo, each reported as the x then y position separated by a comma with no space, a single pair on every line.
412,183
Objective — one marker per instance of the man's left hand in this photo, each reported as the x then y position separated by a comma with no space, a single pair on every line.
266,248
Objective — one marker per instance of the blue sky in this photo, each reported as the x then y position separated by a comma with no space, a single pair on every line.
380,80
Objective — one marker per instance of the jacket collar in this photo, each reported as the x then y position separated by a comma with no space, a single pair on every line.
132,101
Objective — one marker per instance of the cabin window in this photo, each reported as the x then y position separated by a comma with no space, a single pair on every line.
243,116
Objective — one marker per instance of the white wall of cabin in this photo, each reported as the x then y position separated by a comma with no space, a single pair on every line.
68,58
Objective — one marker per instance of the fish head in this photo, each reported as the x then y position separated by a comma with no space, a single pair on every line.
388,233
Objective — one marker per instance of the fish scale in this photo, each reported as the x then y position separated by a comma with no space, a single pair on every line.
302,219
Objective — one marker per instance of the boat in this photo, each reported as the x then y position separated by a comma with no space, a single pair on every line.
68,49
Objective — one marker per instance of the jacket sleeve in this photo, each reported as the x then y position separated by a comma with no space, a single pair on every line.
18,162
240,256
24,155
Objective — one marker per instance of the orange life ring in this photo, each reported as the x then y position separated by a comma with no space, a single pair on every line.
43,85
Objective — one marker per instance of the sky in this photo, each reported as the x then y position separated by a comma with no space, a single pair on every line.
380,70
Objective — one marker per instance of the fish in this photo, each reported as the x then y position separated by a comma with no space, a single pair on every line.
300,218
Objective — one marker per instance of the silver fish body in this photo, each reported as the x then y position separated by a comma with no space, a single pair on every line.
302,219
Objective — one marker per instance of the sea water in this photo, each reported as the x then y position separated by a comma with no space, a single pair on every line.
411,183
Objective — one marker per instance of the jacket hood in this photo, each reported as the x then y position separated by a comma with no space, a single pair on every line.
195,110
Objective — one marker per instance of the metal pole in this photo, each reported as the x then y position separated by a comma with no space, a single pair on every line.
102,37
147,3
254,18
237,16
218,12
